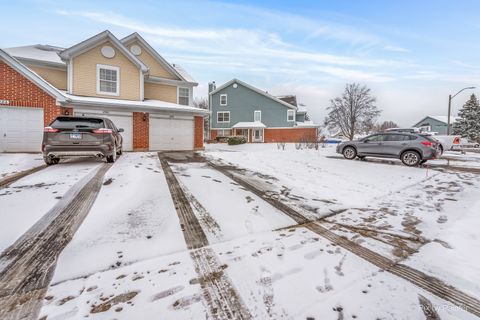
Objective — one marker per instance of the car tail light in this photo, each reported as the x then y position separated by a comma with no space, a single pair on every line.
456,140
50,129
102,130
427,143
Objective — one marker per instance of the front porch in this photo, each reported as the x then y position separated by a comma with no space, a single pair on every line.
253,131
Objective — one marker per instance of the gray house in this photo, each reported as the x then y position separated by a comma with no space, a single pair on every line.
436,124
241,109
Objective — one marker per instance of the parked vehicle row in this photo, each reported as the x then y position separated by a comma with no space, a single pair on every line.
73,136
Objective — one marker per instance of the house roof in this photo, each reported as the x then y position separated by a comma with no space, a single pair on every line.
443,119
266,94
291,99
37,52
32,76
248,125
141,106
97,39
179,72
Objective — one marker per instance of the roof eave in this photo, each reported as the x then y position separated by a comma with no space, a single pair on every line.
87,44
135,36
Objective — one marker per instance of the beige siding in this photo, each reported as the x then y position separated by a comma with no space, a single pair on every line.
156,69
85,74
161,92
56,77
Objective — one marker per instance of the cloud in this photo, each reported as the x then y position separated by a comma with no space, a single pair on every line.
395,49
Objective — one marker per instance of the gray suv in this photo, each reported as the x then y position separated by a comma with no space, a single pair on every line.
413,149
72,136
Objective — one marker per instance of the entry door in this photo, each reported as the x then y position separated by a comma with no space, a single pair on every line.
21,129
257,135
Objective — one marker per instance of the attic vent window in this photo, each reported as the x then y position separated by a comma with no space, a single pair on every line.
136,50
108,52
235,86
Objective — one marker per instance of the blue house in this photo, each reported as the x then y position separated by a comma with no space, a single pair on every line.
241,109
436,124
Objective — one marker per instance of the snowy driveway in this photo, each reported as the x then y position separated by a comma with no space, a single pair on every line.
287,235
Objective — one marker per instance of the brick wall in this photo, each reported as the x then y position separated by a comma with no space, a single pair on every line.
213,134
289,135
21,92
198,134
140,131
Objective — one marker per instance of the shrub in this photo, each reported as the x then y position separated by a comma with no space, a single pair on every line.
221,139
236,140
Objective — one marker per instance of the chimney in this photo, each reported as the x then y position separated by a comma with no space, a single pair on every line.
211,86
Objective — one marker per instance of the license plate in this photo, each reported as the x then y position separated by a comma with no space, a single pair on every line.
75,136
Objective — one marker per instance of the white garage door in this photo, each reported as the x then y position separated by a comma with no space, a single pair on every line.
122,120
21,129
167,133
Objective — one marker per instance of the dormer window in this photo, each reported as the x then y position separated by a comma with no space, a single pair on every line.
223,99
108,80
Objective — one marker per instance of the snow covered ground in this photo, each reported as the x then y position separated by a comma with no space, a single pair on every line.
27,200
11,163
129,258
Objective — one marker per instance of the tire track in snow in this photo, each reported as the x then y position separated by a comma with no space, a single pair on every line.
27,266
219,293
5,182
416,277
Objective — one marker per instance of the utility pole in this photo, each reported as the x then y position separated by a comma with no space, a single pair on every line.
450,97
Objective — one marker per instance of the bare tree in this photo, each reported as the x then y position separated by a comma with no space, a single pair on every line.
384,126
202,103
352,112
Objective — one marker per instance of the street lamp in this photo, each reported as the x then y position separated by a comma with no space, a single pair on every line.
450,97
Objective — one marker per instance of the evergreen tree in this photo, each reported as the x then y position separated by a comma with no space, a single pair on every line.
468,122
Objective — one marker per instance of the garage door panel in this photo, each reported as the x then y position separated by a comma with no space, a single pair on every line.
121,120
21,129
171,133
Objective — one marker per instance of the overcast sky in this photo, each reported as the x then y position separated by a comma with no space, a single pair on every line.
412,54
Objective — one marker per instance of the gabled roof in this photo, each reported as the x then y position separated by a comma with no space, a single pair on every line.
135,36
32,76
266,94
443,119
97,39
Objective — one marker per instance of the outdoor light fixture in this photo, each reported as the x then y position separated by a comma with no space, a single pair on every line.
66,112
450,97
144,116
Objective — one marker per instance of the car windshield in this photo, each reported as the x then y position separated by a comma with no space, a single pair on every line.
77,122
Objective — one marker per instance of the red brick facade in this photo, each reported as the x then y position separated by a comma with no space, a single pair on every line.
198,134
21,92
213,134
289,135
140,131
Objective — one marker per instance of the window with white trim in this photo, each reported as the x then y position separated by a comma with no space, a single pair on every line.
257,115
223,133
290,115
223,116
108,80
223,99
184,96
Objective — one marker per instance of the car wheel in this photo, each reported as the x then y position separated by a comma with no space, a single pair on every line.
50,161
411,158
113,157
120,151
349,153
440,150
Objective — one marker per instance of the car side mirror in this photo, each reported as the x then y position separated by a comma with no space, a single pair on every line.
120,130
